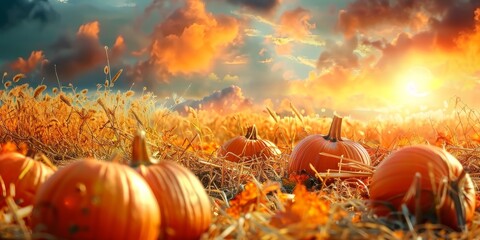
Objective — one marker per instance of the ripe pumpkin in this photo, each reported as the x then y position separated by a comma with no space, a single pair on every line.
25,173
308,150
248,147
91,199
185,207
394,176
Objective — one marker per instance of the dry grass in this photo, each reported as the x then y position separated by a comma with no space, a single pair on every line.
66,124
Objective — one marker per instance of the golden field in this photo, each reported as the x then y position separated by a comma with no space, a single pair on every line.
250,200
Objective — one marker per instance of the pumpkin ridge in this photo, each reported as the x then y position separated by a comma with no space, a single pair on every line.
173,189
167,186
194,182
427,160
127,196
102,172
97,213
109,223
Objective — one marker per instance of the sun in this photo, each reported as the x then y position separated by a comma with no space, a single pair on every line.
417,81
413,89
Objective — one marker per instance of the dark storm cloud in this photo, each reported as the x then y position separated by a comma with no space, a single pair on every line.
14,12
258,5
446,19
439,22
81,53
227,100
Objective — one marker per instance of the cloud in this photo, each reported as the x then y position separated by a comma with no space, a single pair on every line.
75,55
227,100
468,42
342,54
303,60
445,39
15,12
262,6
341,89
361,15
231,78
29,65
237,60
443,21
187,41
369,68
296,23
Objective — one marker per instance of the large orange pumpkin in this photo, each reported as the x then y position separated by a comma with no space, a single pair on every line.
395,175
91,199
185,207
25,174
248,147
308,151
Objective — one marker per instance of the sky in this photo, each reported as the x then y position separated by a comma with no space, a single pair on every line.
359,57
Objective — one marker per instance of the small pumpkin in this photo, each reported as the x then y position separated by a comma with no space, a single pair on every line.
185,207
395,175
248,147
25,174
92,199
308,151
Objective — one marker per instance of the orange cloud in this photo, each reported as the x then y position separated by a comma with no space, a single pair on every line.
29,65
90,30
283,49
365,72
441,21
469,46
188,41
118,47
341,89
296,23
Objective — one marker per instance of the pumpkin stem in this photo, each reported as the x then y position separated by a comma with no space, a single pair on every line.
335,129
140,153
251,133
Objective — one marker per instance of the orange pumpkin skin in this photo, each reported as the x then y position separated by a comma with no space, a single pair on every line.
308,150
91,199
25,173
248,147
395,175
185,207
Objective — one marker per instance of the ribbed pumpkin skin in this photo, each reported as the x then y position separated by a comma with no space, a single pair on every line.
185,207
12,164
394,176
308,150
91,199
249,147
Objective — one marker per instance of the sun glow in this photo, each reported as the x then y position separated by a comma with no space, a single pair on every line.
417,82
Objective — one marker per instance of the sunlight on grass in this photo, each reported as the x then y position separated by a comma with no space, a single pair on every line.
66,124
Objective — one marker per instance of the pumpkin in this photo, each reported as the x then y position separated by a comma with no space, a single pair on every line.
248,147
25,174
91,199
309,151
185,207
395,175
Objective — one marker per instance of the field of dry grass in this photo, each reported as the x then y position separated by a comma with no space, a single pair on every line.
251,201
